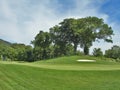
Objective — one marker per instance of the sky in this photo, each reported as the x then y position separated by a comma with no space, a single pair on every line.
21,20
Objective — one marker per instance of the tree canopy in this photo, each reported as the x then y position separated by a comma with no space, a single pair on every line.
83,32
62,39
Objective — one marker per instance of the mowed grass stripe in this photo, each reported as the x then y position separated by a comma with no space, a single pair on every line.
39,75
71,63
31,78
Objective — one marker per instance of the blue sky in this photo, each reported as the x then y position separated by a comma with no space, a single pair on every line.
112,7
21,20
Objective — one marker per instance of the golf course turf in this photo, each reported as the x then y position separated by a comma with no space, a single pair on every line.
63,73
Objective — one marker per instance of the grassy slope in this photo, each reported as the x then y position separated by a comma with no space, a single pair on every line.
70,63
25,77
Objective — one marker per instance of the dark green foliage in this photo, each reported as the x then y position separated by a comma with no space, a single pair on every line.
16,52
86,50
7,52
114,52
97,52
83,32
92,30
24,53
29,53
50,45
71,32
42,39
63,50
42,44
60,42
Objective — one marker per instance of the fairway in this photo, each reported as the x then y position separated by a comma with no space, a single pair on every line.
63,73
59,45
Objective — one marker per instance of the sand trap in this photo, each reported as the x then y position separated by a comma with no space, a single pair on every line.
86,60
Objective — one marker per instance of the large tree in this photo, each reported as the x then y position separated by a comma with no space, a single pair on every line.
66,33
42,42
71,31
83,32
60,41
94,29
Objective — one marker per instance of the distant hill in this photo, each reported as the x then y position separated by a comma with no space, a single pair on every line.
3,42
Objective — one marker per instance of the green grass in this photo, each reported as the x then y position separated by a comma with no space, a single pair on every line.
71,63
63,73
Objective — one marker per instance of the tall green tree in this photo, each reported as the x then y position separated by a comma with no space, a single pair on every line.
71,31
42,42
83,32
94,29
29,53
60,41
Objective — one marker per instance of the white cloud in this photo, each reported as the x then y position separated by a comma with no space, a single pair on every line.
21,20
20,23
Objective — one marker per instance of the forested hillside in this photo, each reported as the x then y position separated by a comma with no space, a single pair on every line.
3,42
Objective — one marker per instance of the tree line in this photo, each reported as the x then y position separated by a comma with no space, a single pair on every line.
16,52
63,39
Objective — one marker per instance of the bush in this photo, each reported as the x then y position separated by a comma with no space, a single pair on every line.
114,52
97,52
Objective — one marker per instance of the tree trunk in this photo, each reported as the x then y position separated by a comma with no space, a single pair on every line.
86,50
75,48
